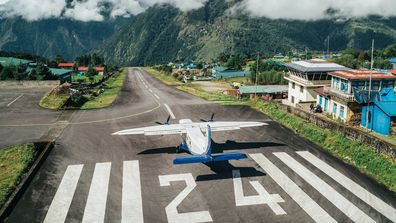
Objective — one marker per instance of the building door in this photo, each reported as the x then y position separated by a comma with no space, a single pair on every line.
326,104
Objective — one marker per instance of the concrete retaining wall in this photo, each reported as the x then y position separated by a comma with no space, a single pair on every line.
28,84
379,145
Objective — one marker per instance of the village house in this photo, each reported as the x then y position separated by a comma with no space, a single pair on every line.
306,76
221,72
393,62
67,66
100,70
338,98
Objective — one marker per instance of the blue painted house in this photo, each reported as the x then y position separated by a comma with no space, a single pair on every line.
393,61
381,112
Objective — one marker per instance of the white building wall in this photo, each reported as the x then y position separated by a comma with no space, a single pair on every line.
337,113
305,95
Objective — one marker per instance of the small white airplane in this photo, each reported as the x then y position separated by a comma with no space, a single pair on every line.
197,139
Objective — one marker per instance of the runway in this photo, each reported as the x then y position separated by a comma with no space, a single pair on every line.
92,176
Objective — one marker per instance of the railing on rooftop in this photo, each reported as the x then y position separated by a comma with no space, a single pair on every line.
306,82
339,94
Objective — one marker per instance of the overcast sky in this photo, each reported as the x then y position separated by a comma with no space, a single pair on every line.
91,10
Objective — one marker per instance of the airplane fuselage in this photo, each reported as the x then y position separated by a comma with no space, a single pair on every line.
198,142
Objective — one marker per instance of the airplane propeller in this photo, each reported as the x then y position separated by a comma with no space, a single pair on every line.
165,123
210,120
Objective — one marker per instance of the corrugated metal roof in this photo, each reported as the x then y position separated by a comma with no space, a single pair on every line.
392,60
264,89
361,75
315,66
60,72
389,107
7,61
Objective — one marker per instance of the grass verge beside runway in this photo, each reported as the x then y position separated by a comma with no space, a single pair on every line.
378,166
54,101
112,87
15,161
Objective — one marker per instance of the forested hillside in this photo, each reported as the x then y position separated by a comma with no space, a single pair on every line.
51,37
164,34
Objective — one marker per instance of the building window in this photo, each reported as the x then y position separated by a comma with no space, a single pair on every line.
301,89
293,85
335,108
292,99
342,112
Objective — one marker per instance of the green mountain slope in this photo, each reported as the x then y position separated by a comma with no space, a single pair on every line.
54,36
164,34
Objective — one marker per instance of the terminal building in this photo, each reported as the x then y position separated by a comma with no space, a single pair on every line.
338,98
306,76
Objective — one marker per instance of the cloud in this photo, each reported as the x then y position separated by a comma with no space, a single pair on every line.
33,9
86,10
315,9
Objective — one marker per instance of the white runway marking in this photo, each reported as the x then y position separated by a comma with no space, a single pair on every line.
155,95
170,111
350,185
171,210
151,90
263,196
12,102
60,204
132,207
95,208
296,193
350,210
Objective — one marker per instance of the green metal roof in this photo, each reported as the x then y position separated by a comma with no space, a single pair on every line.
60,72
7,61
263,89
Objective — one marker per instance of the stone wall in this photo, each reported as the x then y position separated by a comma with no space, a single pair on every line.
28,84
379,145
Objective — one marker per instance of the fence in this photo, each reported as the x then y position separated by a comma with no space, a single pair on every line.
379,145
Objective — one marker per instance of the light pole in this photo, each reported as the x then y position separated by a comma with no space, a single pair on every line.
368,116
257,70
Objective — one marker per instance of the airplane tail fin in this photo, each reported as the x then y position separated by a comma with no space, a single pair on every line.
209,158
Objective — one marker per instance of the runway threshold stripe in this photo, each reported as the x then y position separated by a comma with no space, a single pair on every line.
60,204
155,95
344,205
132,207
95,208
12,102
170,111
350,185
296,193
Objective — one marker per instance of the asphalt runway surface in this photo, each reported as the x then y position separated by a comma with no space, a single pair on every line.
92,176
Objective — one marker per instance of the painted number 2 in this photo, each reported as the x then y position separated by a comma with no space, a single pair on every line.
263,196
171,210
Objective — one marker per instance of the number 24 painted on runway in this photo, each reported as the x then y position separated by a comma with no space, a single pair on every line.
174,216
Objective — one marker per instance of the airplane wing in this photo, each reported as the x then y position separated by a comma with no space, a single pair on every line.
155,130
228,126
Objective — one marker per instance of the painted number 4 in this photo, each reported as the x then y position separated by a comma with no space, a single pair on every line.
263,196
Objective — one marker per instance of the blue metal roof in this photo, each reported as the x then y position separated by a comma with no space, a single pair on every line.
392,60
388,107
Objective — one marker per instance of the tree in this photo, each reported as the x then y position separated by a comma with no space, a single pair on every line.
91,72
44,72
236,62
364,56
7,73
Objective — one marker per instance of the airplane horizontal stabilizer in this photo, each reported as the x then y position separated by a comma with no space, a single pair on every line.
228,156
207,158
